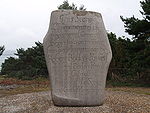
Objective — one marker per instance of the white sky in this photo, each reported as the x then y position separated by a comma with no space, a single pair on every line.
22,22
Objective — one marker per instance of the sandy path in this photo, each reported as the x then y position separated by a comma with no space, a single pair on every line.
116,102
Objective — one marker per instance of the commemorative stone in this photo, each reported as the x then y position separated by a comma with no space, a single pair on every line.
78,55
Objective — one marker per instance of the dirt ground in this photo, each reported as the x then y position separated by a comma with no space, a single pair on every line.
118,100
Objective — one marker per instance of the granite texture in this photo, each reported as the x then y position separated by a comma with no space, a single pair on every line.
78,55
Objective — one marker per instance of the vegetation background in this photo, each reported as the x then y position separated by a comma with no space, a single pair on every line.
130,64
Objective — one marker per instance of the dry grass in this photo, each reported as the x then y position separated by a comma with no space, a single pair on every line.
42,84
23,89
138,90
23,86
11,81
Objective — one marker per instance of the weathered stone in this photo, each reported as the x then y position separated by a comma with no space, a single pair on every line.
78,55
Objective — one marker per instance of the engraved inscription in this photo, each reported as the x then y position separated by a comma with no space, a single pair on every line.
68,19
76,52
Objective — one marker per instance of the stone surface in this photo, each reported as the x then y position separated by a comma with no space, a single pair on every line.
78,55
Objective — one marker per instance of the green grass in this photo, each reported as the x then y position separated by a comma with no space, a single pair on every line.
126,84
2,78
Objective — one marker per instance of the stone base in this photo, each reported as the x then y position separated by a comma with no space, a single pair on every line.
75,102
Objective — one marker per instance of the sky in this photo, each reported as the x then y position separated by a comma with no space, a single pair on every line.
23,22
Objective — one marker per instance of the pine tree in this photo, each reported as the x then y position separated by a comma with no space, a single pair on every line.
67,6
139,29
140,48
2,48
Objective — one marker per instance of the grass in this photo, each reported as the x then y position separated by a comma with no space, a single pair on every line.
126,84
24,89
42,84
2,78
138,90
24,86
128,87
11,81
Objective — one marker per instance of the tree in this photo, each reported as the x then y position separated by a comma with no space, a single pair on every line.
120,49
29,64
2,48
118,69
139,29
140,48
67,6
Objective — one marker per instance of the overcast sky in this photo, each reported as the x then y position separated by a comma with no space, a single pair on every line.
22,22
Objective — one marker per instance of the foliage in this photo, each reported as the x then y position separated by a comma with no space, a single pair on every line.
29,64
140,29
67,6
130,62
140,48
120,47
2,48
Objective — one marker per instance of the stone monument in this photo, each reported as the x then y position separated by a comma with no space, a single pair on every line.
78,55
